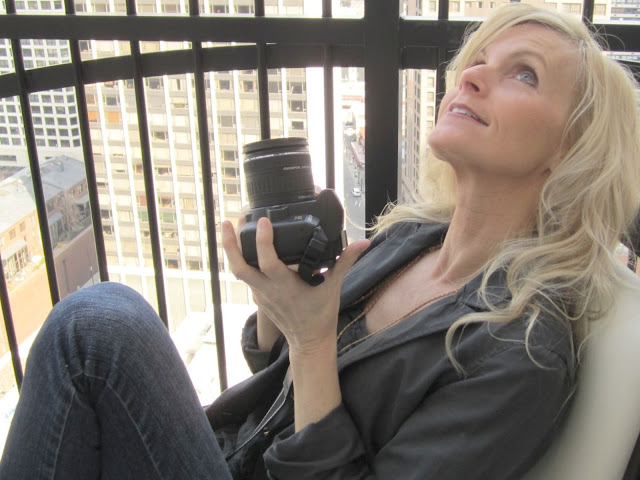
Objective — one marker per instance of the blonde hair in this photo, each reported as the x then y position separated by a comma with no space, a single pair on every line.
586,205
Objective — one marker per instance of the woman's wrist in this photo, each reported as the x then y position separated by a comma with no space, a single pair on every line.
315,381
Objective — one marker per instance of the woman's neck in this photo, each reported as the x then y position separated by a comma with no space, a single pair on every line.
480,224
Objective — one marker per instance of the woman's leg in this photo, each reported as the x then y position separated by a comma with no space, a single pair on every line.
106,395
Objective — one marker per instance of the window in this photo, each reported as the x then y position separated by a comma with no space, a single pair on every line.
188,203
154,83
248,86
298,105
224,84
168,217
230,172
226,120
229,155
111,100
274,86
296,88
159,134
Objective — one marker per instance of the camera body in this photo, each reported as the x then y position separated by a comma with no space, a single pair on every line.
293,228
307,228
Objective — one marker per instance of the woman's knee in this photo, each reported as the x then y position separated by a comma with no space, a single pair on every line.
104,313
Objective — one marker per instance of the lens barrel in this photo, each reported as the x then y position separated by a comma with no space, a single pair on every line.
278,172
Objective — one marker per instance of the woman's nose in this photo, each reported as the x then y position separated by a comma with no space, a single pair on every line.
474,79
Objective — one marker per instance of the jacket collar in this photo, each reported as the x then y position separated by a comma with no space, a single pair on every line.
388,252
398,246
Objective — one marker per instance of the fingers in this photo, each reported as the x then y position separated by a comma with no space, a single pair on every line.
237,264
268,259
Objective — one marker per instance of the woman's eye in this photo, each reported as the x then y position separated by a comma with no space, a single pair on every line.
475,63
527,76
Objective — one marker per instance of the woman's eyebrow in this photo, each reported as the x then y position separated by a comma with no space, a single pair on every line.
521,53
531,53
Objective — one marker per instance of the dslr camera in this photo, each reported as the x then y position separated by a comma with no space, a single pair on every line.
307,228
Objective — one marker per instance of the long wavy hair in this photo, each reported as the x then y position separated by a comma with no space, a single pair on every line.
565,267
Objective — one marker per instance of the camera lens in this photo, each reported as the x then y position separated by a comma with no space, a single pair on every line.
278,172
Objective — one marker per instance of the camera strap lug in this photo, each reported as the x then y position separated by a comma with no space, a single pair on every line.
312,257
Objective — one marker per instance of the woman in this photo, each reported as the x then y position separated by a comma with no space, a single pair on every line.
457,329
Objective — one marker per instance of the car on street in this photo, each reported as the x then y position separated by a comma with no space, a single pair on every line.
356,192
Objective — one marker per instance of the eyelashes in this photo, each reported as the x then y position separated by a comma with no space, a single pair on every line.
527,75
521,72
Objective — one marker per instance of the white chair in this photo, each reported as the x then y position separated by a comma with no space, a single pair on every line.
603,424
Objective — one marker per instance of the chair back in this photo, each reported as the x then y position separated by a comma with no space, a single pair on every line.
603,424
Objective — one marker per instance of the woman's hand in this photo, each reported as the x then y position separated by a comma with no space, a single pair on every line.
306,315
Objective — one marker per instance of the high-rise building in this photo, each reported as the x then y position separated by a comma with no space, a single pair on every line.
233,115
69,221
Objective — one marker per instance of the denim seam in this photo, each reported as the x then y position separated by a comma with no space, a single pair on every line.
64,423
130,417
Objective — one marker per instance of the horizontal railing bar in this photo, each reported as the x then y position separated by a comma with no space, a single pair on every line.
197,29
419,57
449,33
8,85
176,62
335,31
244,57
412,31
432,33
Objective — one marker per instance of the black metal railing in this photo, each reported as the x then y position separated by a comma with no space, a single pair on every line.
382,42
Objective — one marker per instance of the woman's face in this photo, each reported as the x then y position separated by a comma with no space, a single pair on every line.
506,117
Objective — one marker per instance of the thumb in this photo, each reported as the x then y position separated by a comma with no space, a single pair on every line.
349,257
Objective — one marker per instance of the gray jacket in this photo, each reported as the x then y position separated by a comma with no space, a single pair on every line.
406,412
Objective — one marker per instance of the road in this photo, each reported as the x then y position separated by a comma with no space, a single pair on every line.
354,206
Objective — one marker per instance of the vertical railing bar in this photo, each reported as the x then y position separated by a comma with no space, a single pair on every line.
326,9
209,203
382,92
258,6
34,163
587,12
263,92
329,114
87,150
10,328
147,169
263,80
443,55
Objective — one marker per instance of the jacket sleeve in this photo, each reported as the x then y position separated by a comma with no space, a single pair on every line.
494,423
257,359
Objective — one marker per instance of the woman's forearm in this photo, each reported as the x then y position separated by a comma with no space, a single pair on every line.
315,382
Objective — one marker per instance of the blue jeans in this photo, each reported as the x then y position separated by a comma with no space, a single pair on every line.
106,395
